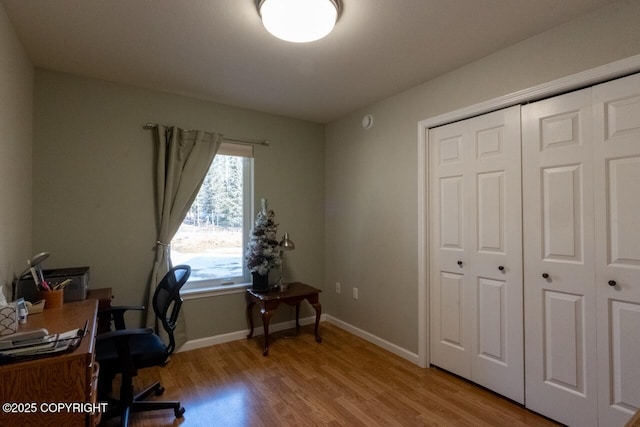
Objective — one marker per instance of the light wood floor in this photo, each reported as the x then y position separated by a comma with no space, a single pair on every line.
344,381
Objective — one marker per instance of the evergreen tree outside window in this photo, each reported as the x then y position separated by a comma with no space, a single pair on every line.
215,232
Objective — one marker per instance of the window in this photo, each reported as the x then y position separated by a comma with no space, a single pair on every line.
214,234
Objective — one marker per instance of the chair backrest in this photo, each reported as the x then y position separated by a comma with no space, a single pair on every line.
167,300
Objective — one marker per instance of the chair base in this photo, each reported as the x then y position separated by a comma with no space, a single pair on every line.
123,409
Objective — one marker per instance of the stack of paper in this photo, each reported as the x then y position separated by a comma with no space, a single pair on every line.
37,343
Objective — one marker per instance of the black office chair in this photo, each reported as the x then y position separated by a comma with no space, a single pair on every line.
124,351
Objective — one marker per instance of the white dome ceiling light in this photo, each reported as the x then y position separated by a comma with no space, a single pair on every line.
299,21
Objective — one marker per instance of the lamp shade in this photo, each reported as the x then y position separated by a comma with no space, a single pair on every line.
286,244
299,21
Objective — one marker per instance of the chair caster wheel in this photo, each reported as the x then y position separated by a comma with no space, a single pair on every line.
159,391
179,412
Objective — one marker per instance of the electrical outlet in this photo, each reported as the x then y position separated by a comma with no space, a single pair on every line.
338,288
355,293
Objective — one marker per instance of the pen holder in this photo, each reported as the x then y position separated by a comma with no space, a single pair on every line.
52,299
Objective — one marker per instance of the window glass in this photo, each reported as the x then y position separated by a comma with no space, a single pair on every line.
214,232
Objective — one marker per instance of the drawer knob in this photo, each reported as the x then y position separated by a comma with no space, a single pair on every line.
612,283
545,276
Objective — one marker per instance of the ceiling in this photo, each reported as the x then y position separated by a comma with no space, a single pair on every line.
218,50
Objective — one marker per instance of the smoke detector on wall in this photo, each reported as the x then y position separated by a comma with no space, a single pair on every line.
367,122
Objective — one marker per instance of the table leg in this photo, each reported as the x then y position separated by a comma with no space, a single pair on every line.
318,308
297,318
266,318
250,318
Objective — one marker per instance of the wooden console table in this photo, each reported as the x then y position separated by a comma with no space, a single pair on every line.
269,301
67,377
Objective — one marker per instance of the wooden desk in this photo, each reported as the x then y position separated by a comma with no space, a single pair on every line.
68,377
269,302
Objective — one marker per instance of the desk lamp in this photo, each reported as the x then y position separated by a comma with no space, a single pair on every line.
35,269
286,244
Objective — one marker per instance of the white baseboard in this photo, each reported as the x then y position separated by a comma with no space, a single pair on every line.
242,334
373,339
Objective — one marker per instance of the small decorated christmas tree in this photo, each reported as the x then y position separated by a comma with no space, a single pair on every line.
262,252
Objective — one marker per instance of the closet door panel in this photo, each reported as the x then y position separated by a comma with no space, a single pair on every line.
495,252
623,227
624,389
563,342
492,325
491,211
451,214
562,213
617,272
449,307
476,251
452,318
560,339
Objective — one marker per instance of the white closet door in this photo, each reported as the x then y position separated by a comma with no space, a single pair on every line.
495,253
560,337
617,214
476,251
450,306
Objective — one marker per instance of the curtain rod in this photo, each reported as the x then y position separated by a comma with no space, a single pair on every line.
264,142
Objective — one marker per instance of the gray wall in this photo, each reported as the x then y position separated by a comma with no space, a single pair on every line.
350,202
16,115
93,185
371,176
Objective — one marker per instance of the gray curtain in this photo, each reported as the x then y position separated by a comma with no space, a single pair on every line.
183,159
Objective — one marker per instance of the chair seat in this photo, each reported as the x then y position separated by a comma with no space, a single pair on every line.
146,350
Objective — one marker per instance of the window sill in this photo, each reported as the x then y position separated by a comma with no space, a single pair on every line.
214,291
